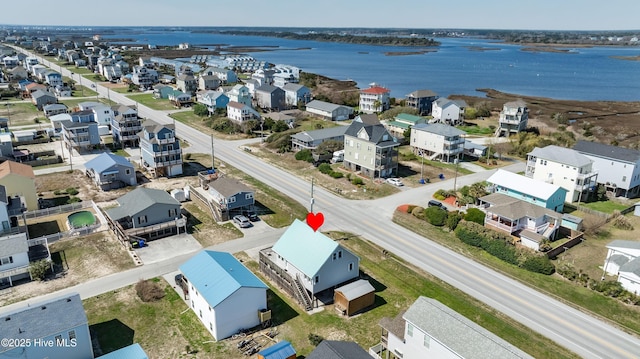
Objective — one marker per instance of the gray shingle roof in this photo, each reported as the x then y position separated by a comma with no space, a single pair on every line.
356,289
563,155
268,89
621,243
607,151
12,245
335,349
631,267
138,200
461,335
619,259
228,186
375,132
307,136
323,106
509,207
43,320
439,129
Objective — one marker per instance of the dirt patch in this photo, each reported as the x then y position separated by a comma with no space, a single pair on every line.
607,121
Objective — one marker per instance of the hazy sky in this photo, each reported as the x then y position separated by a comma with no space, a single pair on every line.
470,14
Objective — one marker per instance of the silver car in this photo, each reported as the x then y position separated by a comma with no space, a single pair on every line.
242,221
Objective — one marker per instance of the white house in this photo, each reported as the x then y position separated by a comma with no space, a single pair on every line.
329,111
513,118
618,168
623,260
374,99
448,111
563,167
295,93
240,113
437,140
310,260
430,329
223,293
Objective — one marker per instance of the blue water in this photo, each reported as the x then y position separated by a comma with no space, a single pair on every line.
583,74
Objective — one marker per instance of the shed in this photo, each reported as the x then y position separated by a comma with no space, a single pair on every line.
573,222
280,350
354,297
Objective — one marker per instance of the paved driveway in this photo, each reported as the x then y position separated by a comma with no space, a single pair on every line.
162,249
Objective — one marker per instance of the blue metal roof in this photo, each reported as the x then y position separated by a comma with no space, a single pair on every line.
305,249
106,161
133,351
217,275
281,350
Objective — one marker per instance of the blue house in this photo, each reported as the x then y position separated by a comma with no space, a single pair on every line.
80,135
309,260
84,116
110,171
60,327
133,351
224,294
213,100
529,190
160,149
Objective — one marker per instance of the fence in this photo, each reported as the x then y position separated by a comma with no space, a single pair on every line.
577,239
52,238
59,209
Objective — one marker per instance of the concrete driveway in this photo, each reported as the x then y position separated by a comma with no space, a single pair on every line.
162,249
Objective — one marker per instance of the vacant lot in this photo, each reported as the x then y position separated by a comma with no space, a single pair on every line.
148,100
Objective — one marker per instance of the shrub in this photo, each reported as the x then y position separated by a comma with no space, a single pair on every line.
435,216
440,194
453,218
357,181
325,168
38,269
336,174
304,155
539,264
72,191
417,212
315,339
410,208
474,215
621,222
73,200
149,291
609,288
57,192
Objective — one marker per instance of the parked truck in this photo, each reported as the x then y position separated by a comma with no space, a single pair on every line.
338,156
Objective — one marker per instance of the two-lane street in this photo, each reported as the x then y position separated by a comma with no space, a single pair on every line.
585,335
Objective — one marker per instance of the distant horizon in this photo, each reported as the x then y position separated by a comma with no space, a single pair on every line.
541,15
88,27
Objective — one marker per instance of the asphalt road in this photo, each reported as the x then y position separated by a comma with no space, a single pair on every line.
577,331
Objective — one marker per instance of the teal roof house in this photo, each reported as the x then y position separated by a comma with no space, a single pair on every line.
224,294
309,261
540,193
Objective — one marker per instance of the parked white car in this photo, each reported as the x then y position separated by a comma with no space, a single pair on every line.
395,181
242,221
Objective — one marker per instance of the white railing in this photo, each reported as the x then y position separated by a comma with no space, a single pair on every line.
59,209
376,350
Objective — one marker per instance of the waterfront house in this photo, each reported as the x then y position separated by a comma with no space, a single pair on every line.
241,113
437,140
430,329
513,118
623,260
329,111
19,181
225,296
448,111
369,148
374,99
160,149
309,263
310,140
295,93
110,171
527,189
564,167
421,100
618,168
126,126
61,321
270,98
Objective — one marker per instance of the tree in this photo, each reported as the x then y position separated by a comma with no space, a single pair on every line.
474,215
279,126
330,146
477,190
38,269
200,110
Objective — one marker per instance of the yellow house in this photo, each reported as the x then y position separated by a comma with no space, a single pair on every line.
19,180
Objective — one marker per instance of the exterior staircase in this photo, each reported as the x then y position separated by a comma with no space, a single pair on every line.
549,231
302,294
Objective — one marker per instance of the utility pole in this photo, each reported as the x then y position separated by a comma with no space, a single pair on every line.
312,200
213,156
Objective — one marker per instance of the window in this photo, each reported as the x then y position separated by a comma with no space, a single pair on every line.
410,329
192,305
127,171
232,199
350,266
339,254
142,219
200,313
248,196
209,308
317,279
58,338
210,326
334,256
426,341
624,178
356,155
72,334
6,260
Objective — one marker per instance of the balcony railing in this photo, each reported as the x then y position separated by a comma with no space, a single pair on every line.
167,153
502,226
165,141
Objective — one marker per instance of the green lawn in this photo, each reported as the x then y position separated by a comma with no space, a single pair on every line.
124,90
21,113
148,100
554,285
605,206
476,130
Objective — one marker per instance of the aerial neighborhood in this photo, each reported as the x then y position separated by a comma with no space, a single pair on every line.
181,204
